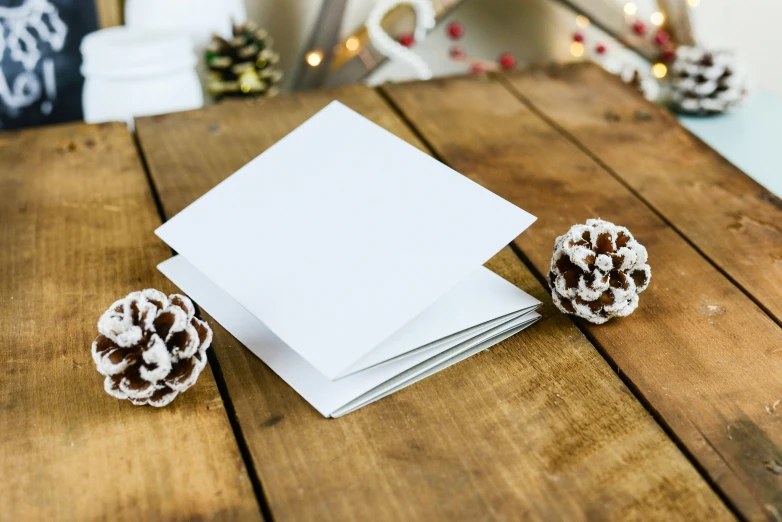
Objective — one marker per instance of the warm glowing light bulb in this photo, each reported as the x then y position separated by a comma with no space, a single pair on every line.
352,43
693,3
659,70
582,21
313,58
657,18
577,49
630,9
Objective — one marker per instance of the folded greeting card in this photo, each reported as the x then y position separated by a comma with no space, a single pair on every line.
350,262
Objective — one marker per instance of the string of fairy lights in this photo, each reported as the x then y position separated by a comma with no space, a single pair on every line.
314,57
659,37
578,46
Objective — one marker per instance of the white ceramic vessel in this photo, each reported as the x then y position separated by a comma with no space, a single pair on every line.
199,19
133,72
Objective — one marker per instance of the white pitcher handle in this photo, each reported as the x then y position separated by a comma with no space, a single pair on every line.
424,20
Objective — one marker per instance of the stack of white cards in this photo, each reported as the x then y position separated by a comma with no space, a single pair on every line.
350,262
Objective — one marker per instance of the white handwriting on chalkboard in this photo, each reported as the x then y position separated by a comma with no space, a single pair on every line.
25,31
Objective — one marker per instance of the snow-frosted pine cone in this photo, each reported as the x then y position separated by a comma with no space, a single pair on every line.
151,347
705,83
597,271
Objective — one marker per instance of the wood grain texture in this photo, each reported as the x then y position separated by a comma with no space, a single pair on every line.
76,233
735,222
110,12
703,356
538,427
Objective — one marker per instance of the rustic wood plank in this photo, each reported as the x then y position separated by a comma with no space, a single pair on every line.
538,427
75,234
735,222
700,352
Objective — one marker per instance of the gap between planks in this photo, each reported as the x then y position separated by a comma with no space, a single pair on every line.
287,438
503,79
738,464
76,234
598,346
217,371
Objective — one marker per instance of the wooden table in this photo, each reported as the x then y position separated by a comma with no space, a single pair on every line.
673,413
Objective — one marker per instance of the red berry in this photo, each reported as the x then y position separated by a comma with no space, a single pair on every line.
661,38
668,55
477,68
639,28
456,52
506,60
578,37
600,49
407,40
455,30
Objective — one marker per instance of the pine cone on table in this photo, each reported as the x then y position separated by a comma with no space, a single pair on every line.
597,271
151,347
243,65
705,83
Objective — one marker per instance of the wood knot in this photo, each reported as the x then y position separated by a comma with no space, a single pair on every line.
642,115
276,419
68,147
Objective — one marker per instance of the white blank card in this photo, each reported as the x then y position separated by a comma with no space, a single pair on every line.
339,240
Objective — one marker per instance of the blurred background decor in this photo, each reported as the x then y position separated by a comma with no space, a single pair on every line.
328,43
705,83
455,31
325,43
244,65
400,50
133,72
39,60
200,20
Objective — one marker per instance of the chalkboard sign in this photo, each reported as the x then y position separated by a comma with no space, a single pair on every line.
40,82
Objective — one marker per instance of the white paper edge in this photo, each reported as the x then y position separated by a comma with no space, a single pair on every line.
485,345
440,361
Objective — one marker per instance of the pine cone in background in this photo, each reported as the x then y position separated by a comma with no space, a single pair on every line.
597,271
705,83
243,66
151,347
